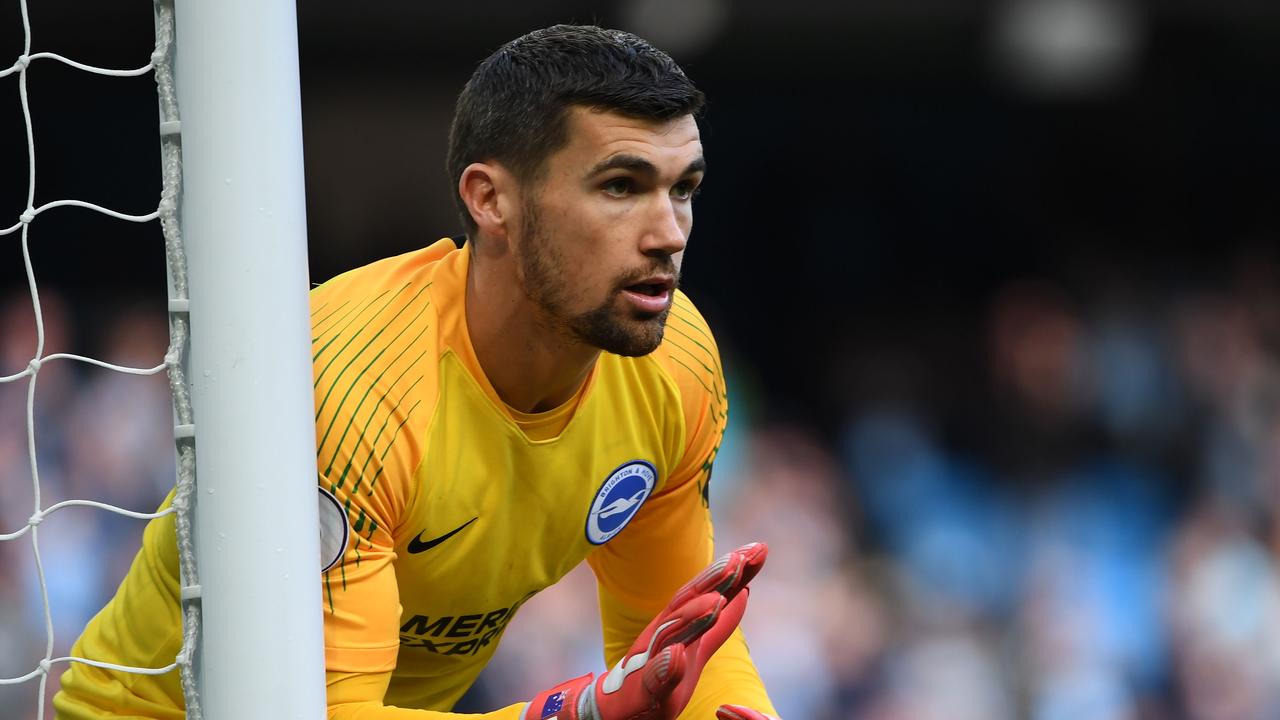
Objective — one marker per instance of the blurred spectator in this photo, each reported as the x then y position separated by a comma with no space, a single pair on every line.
788,497
1226,620
99,435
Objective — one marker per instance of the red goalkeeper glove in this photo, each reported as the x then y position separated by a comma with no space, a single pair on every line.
656,677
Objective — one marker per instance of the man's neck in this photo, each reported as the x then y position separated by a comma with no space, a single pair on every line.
533,367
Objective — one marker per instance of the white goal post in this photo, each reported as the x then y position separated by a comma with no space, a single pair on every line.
242,214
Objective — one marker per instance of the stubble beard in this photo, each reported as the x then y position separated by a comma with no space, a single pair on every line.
546,279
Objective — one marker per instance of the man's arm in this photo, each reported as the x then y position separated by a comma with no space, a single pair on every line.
632,571
372,401
653,680
671,538
358,696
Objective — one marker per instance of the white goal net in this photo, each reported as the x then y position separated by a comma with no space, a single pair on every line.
225,261
160,63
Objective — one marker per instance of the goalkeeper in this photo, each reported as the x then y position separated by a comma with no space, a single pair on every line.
492,411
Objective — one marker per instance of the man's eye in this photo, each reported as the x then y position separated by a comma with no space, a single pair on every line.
686,190
618,186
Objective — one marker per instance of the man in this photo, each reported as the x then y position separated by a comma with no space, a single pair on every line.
490,415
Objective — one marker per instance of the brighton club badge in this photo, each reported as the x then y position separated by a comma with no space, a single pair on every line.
619,499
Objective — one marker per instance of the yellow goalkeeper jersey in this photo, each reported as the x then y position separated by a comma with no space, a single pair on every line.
458,508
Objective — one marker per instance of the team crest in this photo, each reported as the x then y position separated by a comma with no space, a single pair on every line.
618,500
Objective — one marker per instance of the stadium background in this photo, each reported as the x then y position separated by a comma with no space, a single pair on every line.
996,284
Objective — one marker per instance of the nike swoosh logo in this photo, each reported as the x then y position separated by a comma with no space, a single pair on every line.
418,545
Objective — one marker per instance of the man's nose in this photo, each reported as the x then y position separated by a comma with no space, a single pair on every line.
665,233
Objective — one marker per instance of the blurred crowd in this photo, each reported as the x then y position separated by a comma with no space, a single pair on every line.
1082,526
99,435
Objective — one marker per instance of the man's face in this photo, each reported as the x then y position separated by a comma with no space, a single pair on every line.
603,231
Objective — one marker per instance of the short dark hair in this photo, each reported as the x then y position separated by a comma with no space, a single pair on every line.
514,107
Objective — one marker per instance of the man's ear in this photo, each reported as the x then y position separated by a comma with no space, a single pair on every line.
489,192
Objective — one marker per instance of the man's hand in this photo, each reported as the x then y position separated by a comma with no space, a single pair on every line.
656,677
737,712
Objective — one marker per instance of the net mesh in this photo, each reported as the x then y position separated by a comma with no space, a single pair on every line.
172,363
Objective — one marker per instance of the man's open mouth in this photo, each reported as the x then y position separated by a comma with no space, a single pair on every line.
650,289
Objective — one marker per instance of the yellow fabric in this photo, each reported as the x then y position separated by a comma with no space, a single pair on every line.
547,425
354,696
416,445
141,627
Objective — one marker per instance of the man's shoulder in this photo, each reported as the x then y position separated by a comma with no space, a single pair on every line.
386,273
685,312
688,351
374,334
374,342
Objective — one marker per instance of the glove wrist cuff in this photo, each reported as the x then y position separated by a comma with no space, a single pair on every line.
564,701
587,708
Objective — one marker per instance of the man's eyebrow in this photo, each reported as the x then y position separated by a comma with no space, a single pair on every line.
636,163
623,162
